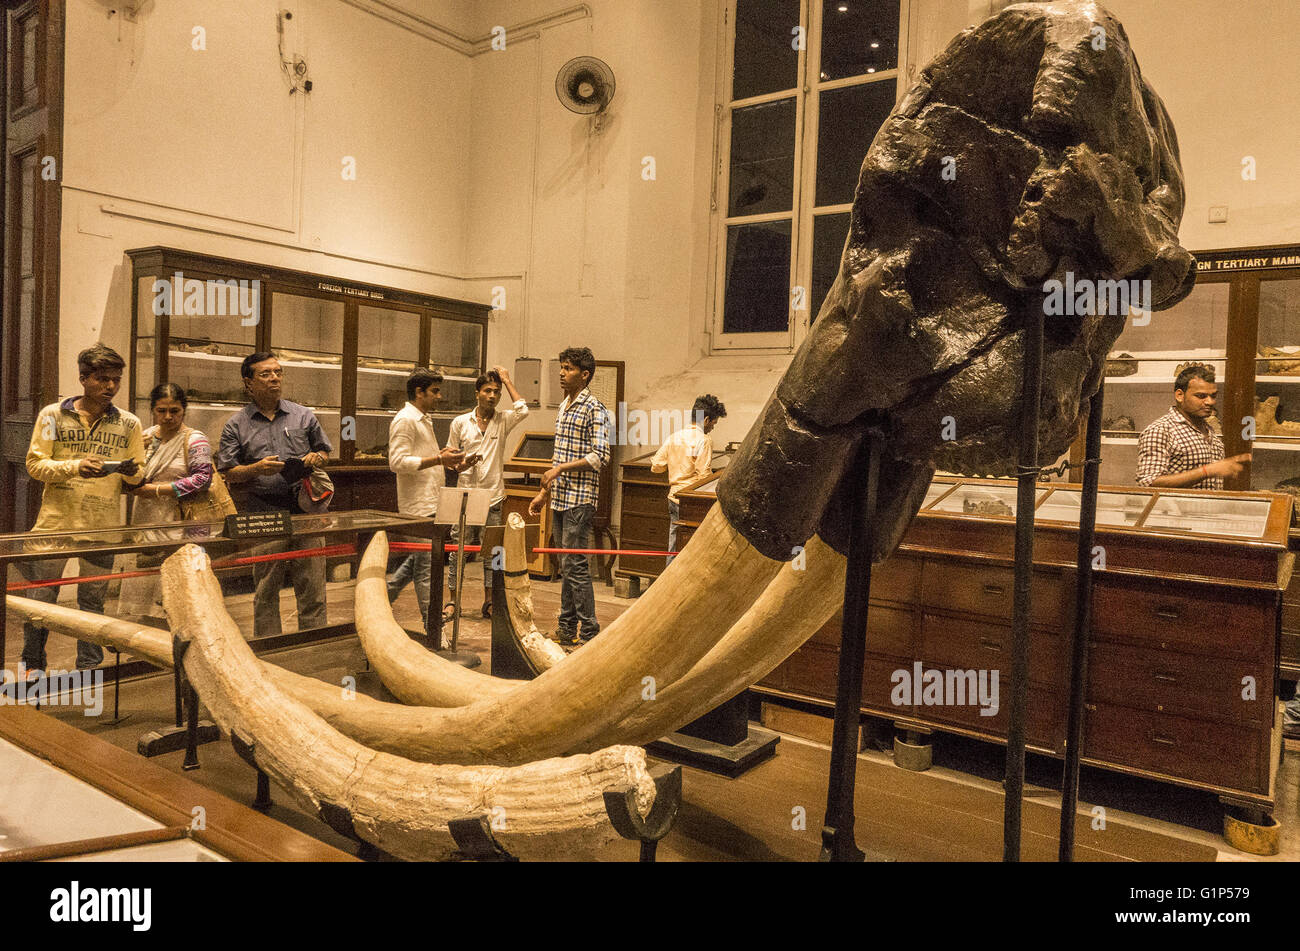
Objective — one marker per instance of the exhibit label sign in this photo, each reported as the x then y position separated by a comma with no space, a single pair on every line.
259,525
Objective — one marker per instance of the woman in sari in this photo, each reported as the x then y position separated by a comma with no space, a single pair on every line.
178,464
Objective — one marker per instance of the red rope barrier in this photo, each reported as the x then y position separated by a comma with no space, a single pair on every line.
224,565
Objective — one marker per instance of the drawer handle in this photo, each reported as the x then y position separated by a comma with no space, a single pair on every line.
1163,740
1165,678
990,645
1169,614
1090,707
994,589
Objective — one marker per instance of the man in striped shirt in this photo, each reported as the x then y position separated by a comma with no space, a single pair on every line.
571,486
1181,450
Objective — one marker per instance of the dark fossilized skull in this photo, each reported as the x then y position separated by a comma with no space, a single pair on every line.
1030,150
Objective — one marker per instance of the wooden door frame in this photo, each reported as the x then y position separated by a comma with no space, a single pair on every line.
16,423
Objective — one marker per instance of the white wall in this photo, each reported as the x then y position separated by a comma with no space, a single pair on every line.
472,176
206,150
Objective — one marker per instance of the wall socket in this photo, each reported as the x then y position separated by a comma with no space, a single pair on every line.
1218,214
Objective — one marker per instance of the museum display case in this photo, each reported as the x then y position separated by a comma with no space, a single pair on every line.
1184,649
346,349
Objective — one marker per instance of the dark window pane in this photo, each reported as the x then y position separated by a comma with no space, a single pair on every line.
849,28
765,60
758,278
846,124
762,158
829,232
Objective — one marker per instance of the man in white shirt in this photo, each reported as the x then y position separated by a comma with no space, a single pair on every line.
414,455
688,455
481,435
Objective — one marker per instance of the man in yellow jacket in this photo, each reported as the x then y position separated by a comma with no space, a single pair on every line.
86,451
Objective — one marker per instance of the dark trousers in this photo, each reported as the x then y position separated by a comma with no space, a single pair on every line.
571,528
90,597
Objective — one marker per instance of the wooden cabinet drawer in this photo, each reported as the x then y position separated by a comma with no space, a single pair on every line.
638,530
1044,725
897,578
1197,750
878,683
1200,620
813,671
960,642
890,631
1170,682
988,590
1290,614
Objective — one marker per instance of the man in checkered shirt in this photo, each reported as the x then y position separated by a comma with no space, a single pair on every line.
572,484
1180,449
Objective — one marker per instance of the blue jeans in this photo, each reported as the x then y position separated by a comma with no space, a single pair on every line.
90,597
417,567
571,528
674,512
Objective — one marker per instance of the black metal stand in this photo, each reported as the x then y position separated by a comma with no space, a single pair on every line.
838,844
171,739
475,841
434,625
1082,627
247,752
722,741
117,688
620,805
1026,495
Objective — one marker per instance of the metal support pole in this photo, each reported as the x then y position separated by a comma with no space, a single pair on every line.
437,570
117,681
1026,496
1082,627
838,844
460,573
192,729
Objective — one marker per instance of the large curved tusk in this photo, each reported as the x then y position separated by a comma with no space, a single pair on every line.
151,643
792,609
413,674
654,642
543,652
670,628
390,727
546,809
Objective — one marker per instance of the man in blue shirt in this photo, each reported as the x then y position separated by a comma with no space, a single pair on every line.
255,445
572,485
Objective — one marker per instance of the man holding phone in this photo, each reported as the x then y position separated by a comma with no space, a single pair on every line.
86,451
413,454
482,433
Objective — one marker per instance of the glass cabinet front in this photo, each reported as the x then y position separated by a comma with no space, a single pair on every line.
346,350
1142,367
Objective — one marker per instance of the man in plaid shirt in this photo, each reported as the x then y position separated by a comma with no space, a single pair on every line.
1180,450
572,485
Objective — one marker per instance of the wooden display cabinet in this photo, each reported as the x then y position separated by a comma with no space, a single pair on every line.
643,513
346,348
1243,318
1183,653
